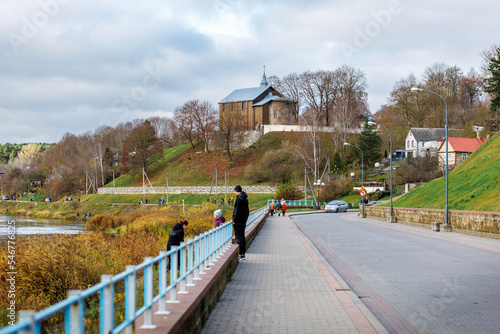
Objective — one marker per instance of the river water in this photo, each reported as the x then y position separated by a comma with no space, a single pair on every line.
30,226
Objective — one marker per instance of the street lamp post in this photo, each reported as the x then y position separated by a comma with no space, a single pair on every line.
362,180
391,217
447,226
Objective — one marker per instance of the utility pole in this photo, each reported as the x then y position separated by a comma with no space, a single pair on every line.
305,186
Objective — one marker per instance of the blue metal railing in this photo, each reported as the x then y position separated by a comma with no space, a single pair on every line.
195,256
290,203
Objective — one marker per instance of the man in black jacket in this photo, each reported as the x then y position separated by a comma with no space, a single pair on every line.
240,217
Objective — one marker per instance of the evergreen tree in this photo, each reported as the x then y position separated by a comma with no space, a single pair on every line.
493,81
337,165
370,143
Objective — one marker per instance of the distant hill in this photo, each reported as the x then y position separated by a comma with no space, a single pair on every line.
474,185
188,167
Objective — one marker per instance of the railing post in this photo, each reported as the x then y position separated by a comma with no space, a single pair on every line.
148,294
162,281
130,298
182,290
229,235
173,275
197,258
214,249
217,244
190,263
106,304
28,316
206,251
211,249
73,315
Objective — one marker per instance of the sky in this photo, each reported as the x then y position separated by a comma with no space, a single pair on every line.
73,66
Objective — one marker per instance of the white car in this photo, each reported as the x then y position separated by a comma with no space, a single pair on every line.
336,206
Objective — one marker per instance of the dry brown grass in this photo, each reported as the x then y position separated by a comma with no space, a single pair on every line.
49,266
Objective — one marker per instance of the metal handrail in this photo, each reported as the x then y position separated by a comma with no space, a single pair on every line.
298,203
195,256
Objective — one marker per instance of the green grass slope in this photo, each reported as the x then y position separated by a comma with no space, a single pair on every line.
188,167
474,185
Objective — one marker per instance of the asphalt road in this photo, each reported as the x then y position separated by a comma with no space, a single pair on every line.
413,280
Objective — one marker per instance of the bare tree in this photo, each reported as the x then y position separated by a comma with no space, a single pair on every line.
163,127
184,121
205,118
142,145
351,100
290,86
319,93
310,151
228,127
487,54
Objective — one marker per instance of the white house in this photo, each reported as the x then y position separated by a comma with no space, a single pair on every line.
418,137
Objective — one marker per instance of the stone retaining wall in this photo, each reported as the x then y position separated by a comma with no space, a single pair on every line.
475,222
187,190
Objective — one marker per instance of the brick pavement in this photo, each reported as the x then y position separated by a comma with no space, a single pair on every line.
285,286
413,279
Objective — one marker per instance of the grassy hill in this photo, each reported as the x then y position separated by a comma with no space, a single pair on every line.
186,166
473,185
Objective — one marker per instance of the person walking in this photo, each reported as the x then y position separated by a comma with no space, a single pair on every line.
219,218
283,208
240,217
175,238
278,207
272,207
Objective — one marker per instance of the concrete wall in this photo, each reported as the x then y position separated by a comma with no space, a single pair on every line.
240,140
187,190
473,222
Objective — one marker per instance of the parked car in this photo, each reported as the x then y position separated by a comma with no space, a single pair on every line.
336,206
372,202
5,198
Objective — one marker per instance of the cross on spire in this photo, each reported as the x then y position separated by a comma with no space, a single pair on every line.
264,82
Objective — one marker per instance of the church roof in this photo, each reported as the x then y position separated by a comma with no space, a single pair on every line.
245,94
268,98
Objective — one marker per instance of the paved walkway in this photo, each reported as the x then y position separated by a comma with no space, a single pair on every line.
284,286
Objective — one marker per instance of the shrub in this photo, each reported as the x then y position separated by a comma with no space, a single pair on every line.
420,169
375,196
334,189
288,192
101,222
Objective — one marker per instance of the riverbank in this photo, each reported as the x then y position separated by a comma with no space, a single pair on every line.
114,205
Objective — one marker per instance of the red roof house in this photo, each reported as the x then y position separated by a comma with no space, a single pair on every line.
459,149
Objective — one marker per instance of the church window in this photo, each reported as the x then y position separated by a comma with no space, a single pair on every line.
276,114
243,105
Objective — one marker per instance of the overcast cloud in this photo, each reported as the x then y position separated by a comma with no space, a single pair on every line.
71,66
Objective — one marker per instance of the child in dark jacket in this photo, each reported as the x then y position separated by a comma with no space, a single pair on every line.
219,218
